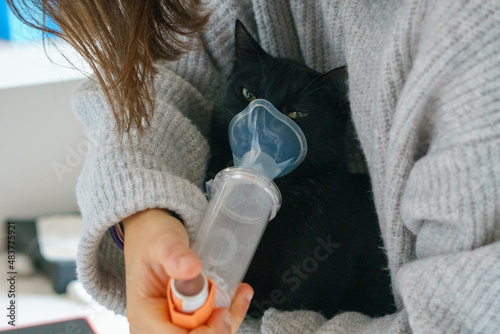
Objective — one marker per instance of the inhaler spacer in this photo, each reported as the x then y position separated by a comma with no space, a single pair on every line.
265,144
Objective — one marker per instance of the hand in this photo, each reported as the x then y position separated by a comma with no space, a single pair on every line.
157,247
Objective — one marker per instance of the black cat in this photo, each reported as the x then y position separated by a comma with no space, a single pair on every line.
322,252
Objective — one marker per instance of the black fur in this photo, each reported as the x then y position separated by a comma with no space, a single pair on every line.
322,252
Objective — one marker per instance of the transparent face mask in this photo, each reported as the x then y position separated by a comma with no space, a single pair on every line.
263,138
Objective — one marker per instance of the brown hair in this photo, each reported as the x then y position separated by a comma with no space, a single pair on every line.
120,40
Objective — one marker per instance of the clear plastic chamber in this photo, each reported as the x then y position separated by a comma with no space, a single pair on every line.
241,205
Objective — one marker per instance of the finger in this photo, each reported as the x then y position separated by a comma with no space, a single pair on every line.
152,317
218,323
239,306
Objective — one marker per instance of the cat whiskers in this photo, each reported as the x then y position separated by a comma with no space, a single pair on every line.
226,114
341,158
314,162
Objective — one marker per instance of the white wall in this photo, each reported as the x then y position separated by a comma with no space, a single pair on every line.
42,148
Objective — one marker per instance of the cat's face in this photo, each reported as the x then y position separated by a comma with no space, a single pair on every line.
317,103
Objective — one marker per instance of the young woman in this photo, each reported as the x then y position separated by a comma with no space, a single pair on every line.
424,80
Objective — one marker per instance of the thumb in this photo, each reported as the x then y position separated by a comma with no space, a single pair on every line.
172,251
179,260
164,241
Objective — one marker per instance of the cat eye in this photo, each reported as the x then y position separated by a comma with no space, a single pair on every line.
297,114
248,94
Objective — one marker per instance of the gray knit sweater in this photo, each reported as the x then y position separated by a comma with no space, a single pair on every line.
424,79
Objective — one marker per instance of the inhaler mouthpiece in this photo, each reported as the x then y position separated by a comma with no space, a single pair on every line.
264,139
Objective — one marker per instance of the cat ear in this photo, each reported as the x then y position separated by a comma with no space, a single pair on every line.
245,45
338,77
335,79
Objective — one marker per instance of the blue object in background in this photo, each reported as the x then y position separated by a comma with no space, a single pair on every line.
11,28
4,26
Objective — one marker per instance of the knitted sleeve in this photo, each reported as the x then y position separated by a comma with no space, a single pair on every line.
451,197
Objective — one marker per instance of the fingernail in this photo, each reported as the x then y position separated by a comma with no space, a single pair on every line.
249,297
227,319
